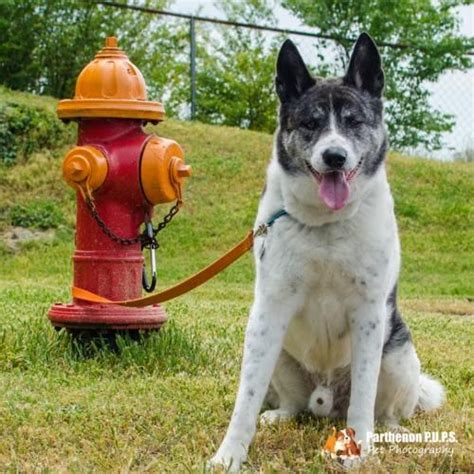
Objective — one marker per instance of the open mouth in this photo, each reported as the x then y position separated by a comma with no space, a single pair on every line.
334,187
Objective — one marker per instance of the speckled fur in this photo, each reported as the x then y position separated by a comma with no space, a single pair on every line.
324,322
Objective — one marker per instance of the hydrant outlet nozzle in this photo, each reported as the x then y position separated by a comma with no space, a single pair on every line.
163,171
85,164
182,170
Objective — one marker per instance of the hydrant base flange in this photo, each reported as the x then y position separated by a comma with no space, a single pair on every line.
112,317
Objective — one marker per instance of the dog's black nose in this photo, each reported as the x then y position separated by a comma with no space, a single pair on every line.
335,157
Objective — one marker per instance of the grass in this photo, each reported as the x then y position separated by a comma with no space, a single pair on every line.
162,405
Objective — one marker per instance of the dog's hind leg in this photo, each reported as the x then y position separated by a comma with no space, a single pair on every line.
293,386
398,386
402,388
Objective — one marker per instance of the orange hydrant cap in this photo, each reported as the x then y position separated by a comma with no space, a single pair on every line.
111,86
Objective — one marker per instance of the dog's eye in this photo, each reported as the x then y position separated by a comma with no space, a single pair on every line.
311,124
353,120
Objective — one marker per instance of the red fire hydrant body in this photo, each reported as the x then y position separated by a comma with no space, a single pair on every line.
119,173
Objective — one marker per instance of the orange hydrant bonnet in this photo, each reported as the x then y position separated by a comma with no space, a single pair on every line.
111,86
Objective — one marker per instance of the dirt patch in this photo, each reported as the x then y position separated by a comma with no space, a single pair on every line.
464,307
14,237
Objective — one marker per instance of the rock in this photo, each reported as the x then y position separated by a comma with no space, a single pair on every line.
16,236
22,234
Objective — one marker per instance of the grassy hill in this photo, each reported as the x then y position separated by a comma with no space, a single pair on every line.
162,405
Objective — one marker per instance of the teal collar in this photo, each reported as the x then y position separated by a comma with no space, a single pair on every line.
263,228
276,216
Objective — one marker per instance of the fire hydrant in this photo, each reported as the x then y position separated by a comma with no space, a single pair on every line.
119,172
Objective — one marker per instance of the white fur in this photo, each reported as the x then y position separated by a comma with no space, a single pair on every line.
432,394
323,394
333,138
320,294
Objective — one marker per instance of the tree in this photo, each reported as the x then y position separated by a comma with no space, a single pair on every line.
428,43
236,70
46,43
19,30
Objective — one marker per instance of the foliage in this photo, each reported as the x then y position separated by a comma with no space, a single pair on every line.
428,31
66,34
25,129
235,72
37,214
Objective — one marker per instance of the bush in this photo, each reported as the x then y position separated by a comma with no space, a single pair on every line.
25,129
37,214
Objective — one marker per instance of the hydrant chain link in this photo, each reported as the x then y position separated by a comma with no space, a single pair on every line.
106,230
168,218
144,238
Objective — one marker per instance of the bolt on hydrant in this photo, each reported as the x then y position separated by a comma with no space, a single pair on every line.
119,172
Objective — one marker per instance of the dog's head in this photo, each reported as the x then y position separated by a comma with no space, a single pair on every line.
345,436
331,131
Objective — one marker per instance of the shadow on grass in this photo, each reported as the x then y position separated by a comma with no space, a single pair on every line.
34,345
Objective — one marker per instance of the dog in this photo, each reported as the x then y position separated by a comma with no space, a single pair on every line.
324,330
341,446
345,445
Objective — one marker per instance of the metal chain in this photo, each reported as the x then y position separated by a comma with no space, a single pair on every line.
144,238
167,219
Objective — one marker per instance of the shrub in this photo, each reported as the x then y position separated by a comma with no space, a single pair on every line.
25,129
36,214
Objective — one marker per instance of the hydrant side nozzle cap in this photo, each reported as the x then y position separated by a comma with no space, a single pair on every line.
111,86
85,163
159,175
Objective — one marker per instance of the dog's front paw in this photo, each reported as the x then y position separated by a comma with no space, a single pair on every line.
271,417
394,426
230,460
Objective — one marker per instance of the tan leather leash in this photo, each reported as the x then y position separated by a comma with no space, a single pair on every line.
193,281
179,289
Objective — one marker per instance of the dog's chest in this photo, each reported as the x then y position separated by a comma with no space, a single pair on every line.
318,336
332,267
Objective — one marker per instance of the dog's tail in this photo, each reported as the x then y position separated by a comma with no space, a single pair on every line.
432,394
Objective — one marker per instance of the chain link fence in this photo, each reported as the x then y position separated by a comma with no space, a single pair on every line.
452,94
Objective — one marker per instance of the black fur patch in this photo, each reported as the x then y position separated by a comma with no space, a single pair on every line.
372,165
399,332
286,161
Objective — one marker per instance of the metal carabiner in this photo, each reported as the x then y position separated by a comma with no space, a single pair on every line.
149,287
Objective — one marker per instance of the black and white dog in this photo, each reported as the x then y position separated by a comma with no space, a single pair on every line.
324,332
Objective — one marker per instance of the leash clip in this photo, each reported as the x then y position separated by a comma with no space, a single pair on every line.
261,230
152,246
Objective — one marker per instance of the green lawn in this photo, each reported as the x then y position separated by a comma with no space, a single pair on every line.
162,405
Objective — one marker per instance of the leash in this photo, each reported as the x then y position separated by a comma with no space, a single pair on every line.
193,281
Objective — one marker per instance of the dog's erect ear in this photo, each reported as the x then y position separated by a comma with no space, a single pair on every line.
365,68
292,77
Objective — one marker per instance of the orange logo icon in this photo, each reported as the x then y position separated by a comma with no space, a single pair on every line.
341,445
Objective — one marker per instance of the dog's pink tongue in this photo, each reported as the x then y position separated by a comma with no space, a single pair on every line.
334,190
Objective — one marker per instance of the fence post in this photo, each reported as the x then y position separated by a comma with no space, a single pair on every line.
192,62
